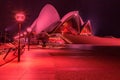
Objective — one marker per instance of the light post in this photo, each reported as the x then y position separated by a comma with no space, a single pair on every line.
20,17
29,31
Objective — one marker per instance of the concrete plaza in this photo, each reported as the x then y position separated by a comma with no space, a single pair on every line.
62,64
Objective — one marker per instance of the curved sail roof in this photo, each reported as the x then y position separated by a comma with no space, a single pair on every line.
71,22
48,15
72,13
76,17
86,29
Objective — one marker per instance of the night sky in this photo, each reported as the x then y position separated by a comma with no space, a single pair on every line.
103,14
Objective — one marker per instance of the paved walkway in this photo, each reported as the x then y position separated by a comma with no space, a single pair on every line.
34,65
50,64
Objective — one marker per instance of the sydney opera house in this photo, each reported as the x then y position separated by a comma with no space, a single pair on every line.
49,21
71,28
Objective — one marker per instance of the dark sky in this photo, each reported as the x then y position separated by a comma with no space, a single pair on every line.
103,14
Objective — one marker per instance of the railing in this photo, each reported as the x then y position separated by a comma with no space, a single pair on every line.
9,52
15,51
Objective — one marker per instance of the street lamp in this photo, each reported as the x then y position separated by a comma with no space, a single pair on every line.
29,30
20,17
